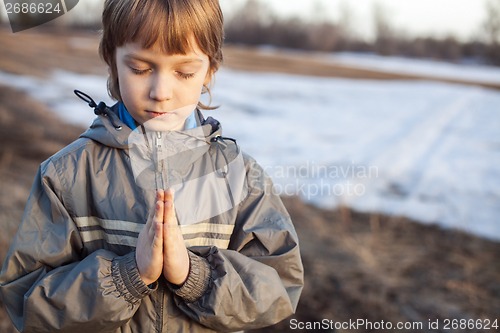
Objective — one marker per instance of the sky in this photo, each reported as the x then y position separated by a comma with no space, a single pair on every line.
461,18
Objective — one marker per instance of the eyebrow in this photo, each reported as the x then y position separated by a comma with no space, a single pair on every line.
134,56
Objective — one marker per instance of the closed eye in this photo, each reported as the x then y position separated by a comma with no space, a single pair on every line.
138,71
185,76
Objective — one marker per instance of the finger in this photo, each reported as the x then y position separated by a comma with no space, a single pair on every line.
170,216
157,218
160,195
159,212
154,213
169,195
158,235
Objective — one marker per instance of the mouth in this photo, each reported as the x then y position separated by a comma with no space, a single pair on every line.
154,114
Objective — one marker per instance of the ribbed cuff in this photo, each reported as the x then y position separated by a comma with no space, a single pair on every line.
197,281
128,280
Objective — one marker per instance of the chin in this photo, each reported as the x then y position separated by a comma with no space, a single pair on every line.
162,124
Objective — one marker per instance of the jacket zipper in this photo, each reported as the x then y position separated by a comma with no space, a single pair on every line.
160,165
159,162
159,313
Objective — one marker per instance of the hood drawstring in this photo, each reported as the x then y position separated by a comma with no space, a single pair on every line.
100,109
220,141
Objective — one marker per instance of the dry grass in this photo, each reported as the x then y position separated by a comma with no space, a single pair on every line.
252,59
29,134
387,268
37,53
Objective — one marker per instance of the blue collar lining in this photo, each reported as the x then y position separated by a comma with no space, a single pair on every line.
128,120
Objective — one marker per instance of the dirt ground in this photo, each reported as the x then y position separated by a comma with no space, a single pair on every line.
358,266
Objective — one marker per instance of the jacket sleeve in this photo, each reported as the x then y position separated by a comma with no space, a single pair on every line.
258,280
47,285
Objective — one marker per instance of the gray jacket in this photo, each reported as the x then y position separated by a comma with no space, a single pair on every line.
71,266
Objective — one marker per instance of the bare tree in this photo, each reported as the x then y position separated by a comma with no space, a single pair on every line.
248,24
346,19
255,23
492,22
319,11
321,34
85,14
385,36
492,31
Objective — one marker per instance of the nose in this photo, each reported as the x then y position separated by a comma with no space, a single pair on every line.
161,88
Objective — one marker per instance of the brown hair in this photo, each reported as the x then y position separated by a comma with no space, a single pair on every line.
170,23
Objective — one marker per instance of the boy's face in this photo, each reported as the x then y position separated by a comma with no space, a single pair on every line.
159,86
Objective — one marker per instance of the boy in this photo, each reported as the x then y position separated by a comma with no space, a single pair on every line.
105,247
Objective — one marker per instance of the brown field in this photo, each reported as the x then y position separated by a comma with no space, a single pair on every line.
358,266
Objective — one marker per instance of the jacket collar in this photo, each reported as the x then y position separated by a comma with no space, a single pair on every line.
116,133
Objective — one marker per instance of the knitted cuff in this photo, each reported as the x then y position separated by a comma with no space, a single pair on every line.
197,281
127,279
